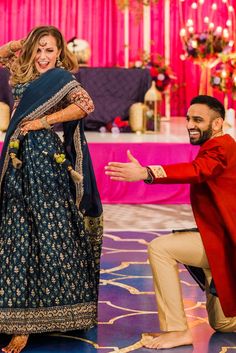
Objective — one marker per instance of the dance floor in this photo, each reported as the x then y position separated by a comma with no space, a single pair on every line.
127,306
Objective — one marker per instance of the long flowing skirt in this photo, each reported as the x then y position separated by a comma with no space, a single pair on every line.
47,265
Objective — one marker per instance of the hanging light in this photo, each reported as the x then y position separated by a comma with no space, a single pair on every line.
182,57
189,22
219,30
214,6
229,23
182,32
225,33
211,25
194,5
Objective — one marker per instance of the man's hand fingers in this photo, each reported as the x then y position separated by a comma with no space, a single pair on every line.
113,172
115,165
118,178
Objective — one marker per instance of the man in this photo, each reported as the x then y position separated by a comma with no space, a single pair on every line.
212,175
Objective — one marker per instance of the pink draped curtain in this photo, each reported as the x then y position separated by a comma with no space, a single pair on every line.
101,23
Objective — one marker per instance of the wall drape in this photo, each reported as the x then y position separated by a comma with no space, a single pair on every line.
102,25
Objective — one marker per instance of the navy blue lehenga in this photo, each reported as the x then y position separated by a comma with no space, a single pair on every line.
50,227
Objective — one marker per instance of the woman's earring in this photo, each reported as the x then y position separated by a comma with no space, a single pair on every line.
59,63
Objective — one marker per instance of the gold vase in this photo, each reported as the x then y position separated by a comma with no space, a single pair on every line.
136,117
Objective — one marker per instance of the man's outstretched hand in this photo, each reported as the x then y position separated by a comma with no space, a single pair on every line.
130,171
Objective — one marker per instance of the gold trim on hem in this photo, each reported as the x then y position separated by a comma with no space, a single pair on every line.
63,318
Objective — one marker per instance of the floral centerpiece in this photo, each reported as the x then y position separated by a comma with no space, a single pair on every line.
223,76
205,49
160,72
206,46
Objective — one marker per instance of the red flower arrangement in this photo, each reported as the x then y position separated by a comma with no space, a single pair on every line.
223,77
205,46
161,73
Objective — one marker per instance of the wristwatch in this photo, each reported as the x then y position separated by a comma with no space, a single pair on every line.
150,177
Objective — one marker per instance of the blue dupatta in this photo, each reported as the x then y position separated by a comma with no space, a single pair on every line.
41,95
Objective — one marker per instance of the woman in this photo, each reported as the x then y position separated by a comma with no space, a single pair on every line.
51,215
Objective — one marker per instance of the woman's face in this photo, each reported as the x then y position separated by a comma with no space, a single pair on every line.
46,54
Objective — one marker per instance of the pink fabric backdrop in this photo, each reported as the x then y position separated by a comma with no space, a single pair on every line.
102,24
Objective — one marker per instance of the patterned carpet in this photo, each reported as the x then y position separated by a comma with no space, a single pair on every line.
127,306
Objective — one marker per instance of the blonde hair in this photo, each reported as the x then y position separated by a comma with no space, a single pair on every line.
23,69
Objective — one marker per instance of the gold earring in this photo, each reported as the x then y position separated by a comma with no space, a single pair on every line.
59,63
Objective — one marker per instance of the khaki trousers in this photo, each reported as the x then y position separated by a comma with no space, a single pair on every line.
164,255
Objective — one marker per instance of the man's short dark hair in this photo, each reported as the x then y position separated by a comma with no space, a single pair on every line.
211,102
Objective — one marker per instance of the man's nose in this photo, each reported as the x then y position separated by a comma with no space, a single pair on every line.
190,124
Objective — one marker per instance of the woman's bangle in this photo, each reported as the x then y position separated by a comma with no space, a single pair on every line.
45,123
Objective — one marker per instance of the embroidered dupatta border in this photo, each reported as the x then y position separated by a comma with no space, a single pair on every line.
78,164
93,225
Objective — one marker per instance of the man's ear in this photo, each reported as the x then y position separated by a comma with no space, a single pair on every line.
217,124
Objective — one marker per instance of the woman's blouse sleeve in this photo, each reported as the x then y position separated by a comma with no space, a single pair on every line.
80,97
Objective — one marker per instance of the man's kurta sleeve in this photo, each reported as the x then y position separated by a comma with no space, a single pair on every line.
209,163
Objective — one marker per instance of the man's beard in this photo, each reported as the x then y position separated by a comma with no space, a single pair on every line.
204,136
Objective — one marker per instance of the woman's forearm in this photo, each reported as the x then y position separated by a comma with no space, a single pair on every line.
9,49
72,112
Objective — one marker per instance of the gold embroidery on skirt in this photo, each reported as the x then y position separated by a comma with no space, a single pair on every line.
94,230
61,318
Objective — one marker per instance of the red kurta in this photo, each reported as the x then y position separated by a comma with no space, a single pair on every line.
212,176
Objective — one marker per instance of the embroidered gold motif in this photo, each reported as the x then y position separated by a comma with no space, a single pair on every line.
94,223
81,98
26,321
94,230
158,171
